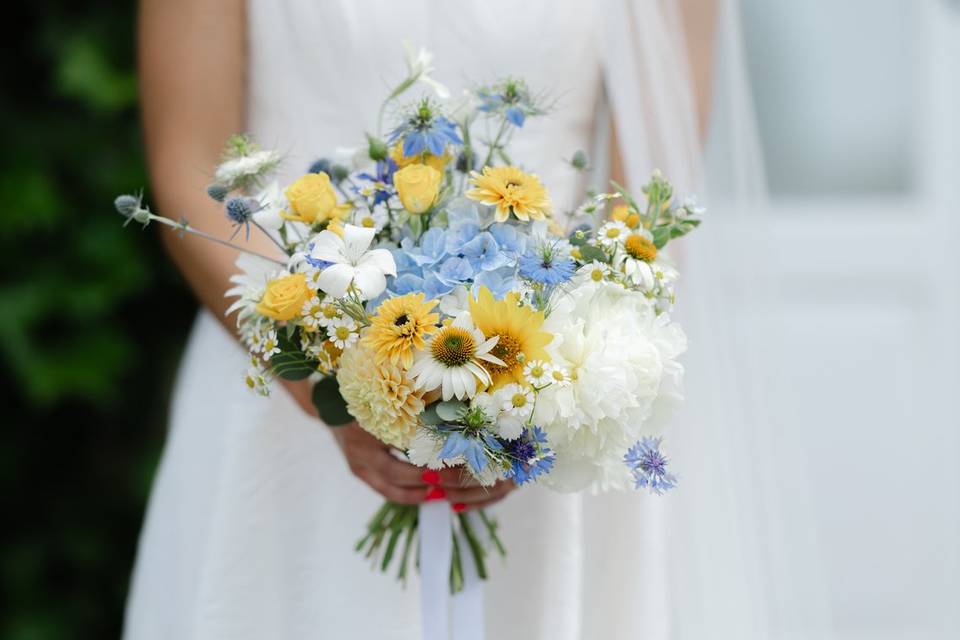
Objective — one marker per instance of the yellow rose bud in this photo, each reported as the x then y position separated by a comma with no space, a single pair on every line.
285,297
632,221
620,213
313,200
437,162
418,186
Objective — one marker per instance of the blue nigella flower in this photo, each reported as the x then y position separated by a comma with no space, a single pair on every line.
317,263
382,180
426,130
472,448
649,466
529,456
511,99
545,267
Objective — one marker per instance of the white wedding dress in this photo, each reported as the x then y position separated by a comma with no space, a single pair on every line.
254,514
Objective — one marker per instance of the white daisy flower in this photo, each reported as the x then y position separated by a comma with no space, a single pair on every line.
559,376
270,345
343,332
453,360
376,219
311,313
538,373
595,271
612,233
328,313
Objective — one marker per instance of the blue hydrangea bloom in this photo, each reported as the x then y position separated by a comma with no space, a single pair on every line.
530,456
483,252
649,466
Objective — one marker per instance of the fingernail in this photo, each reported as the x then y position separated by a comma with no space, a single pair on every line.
431,476
436,493
458,507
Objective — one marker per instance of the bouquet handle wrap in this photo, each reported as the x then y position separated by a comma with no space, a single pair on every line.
436,545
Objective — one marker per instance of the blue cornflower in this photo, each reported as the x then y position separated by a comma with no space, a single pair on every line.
529,456
381,179
544,266
473,448
649,466
426,130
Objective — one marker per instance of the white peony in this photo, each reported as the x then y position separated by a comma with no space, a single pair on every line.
623,375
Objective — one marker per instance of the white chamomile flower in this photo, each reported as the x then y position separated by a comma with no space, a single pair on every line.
515,400
270,345
559,376
612,233
367,219
595,271
538,373
329,312
311,313
343,332
256,378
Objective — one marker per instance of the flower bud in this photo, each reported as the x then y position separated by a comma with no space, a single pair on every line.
217,191
466,161
376,149
579,160
320,166
126,205
340,173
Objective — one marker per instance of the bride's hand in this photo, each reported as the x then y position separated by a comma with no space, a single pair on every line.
371,461
399,481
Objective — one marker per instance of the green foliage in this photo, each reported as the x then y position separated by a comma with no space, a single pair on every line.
291,363
92,322
329,403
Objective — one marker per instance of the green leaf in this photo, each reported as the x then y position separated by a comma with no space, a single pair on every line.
589,253
291,363
329,403
450,411
661,235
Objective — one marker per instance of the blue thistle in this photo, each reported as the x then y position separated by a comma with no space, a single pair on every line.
240,211
649,466
218,192
321,166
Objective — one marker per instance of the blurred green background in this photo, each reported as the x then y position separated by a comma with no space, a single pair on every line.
93,321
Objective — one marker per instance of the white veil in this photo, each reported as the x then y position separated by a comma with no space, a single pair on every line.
736,567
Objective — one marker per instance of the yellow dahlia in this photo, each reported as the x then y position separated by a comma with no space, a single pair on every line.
510,190
518,328
399,328
379,396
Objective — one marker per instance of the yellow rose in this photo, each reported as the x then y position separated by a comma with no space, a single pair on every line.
623,214
418,186
437,162
284,297
313,200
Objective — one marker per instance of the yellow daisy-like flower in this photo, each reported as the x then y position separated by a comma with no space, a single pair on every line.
518,327
623,214
510,190
399,328
380,396
640,247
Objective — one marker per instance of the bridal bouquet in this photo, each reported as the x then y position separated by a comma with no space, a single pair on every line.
432,293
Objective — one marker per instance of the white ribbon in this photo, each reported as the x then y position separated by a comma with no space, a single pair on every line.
436,547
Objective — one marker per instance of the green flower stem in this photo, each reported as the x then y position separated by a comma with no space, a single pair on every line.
186,228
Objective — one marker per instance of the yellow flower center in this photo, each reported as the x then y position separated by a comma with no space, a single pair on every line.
519,400
536,371
596,275
368,222
329,311
639,248
558,375
453,347
613,232
508,350
343,333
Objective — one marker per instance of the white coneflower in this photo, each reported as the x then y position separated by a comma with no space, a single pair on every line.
454,360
